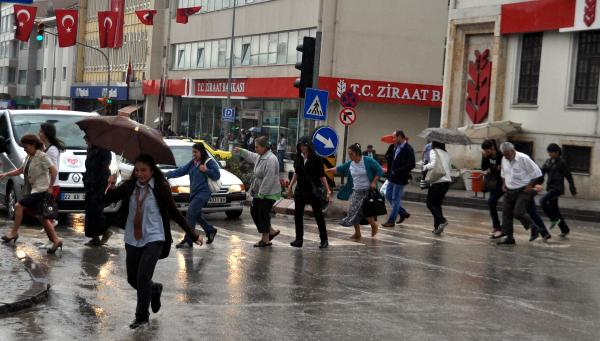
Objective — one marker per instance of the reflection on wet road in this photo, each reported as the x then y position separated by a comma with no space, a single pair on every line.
403,284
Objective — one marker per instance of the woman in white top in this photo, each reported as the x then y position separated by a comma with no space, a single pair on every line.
53,145
439,159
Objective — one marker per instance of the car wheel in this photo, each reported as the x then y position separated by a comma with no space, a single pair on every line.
233,214
11,203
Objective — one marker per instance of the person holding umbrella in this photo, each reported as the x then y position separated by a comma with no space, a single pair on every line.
439,175
200,169
147,199
95,181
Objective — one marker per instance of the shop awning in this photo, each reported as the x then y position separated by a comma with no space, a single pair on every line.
128,110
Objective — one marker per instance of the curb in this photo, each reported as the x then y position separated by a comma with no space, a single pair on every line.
37,293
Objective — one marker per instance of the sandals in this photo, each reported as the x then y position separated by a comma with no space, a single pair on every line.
262,244
271,236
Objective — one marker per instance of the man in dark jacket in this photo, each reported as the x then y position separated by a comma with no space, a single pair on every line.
95,181
556,169
400,163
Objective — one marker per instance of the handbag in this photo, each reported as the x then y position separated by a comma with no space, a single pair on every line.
213,185
48,208
374,205
437,172
317,191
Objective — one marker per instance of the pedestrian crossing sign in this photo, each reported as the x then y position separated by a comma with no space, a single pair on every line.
315,104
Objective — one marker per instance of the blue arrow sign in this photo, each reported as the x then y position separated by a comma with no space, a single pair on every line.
325,140
315,104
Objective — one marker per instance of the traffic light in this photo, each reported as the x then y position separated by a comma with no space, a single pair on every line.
104,103
40,32
306,66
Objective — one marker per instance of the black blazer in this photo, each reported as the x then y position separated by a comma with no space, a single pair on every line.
399,167
312,170
557,170
166,205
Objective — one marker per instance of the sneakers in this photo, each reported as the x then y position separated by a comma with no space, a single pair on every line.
438,230
184,244
155,301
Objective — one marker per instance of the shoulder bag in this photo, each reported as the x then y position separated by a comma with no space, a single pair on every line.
437,172
213,185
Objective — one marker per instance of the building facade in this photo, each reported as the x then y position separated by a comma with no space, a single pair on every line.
544,74
379,51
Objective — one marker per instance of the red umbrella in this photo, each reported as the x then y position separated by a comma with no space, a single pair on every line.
126,137
389,139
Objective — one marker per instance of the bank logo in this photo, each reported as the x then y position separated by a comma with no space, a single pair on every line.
341,88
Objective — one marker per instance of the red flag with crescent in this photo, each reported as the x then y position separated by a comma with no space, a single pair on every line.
118,6
146,16
24,19
184,13
107,27
66,25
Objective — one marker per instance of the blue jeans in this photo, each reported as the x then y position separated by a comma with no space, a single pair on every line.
393,194
280,157
495,195
194,215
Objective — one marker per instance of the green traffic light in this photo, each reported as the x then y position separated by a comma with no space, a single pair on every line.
39,37
109,101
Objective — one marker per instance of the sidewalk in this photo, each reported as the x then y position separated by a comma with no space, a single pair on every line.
23,283
571,208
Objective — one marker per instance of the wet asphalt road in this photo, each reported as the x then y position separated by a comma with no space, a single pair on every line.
404,284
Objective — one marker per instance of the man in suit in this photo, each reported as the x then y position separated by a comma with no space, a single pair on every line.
370,152
400,163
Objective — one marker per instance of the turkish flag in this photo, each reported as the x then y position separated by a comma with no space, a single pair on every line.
118,6
24,18
184,13
107,27
66,25
146,16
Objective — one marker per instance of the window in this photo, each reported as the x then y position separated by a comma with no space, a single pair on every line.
200,57
180,59
273,39
524,147
578,158
22,76
12,73
245,54
222,52
282,48
588,68
64,74
38,77
45,72
529,72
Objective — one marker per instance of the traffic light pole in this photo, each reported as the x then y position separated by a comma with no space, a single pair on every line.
225,124
95,49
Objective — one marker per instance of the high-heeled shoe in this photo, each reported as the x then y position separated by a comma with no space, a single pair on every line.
8,240
53,249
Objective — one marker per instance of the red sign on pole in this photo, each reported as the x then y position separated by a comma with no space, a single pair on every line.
347,116
349,99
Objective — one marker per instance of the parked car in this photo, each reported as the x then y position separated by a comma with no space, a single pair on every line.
219,154
16,123
230,199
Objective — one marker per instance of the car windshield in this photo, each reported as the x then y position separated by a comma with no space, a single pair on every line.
183,155
66,129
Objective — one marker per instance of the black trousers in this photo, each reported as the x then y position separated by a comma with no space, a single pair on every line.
141,262
515,205
435,197
95,221
550,205
300,201
261,214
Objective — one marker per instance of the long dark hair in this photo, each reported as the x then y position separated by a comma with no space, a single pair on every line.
49,131
304,141
159,178
202,149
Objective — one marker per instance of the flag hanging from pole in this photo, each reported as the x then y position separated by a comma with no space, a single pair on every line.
24,18
184,13
118,7
107,28
146,16
66,25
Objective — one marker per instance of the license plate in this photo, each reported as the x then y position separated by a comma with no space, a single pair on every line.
217,200
72,196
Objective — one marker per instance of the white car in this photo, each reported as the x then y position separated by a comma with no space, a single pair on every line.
230,199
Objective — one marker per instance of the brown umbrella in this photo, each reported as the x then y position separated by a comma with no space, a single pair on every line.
126,137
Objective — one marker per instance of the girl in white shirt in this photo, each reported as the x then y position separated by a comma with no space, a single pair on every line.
439,187
54,146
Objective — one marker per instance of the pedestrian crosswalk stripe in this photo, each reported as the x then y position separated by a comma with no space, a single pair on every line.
316,109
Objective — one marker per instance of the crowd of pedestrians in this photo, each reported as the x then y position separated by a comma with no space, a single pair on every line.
148,206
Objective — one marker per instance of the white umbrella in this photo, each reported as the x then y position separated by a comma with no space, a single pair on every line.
490,130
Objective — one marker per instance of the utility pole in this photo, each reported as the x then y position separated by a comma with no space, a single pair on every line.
161,117
225,124
53,73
